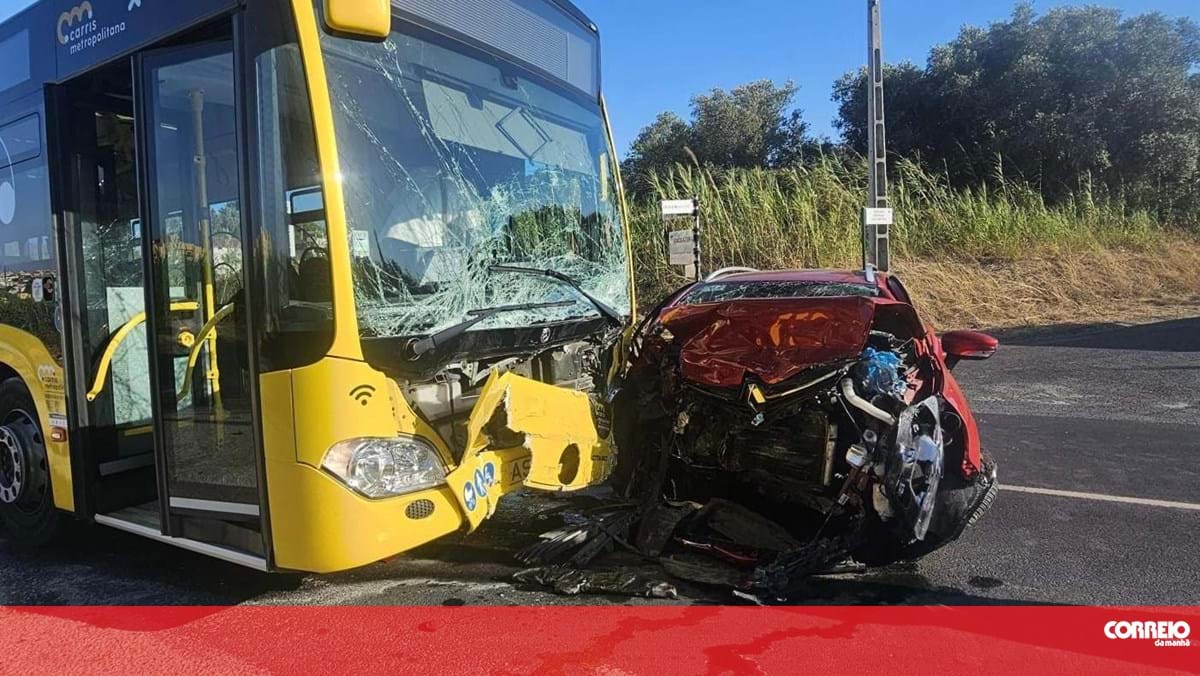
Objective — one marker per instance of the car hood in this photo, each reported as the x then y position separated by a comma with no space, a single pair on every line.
771,339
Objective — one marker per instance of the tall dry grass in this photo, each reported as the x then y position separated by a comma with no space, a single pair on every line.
1052,286
988,256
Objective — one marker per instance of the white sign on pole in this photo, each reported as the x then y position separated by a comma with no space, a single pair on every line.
873,216
678,208
680,258
682,247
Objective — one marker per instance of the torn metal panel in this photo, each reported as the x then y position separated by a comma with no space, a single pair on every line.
482,478
722,344
534,435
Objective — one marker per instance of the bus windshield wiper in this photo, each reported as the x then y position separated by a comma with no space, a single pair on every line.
604,308
419,347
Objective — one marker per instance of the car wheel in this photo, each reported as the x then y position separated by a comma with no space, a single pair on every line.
960,504
26,504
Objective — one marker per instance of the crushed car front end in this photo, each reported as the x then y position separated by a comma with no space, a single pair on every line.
816,402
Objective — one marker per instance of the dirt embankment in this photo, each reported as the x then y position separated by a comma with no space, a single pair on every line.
1052,287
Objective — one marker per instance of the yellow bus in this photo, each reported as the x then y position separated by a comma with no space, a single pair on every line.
302,285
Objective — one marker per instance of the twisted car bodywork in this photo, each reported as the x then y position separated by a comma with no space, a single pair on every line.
815,401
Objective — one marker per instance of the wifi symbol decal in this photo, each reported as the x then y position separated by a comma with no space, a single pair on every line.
362,394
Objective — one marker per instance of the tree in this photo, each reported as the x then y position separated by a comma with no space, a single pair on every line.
1077,92
752,125
663,143
745,127
909,109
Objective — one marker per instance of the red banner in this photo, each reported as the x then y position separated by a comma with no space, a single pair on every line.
610,640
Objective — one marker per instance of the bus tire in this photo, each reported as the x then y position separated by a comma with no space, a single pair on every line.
27,509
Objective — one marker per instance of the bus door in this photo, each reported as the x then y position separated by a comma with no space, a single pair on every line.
93,125
209,459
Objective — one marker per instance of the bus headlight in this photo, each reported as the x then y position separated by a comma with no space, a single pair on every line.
382,467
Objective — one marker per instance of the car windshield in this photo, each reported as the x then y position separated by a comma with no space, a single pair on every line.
454,161
717,292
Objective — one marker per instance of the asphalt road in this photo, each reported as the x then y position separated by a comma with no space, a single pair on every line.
1109,414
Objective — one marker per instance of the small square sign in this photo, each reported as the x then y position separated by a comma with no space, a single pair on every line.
678,208
873,216
682,247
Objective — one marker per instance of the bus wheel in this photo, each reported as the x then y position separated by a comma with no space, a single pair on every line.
26,504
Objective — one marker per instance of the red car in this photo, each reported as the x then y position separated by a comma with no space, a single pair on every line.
819,404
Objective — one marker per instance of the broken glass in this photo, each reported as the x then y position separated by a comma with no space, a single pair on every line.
718,292
452,161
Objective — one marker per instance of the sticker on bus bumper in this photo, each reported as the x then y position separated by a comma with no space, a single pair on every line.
477,488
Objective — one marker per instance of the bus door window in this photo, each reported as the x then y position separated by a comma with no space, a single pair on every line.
107,274
198,285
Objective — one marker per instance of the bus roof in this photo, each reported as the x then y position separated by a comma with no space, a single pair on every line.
54,40
570,8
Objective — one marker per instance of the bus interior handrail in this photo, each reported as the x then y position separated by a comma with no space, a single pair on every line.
117,338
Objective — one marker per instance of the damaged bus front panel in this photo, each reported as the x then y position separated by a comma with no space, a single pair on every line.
477,261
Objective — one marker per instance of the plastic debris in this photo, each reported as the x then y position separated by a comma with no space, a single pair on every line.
880,372
572,581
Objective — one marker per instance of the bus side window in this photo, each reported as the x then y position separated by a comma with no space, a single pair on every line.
28,253
297,304
309,245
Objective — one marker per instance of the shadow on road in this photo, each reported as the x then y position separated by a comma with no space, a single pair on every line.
94,565
1176,335
101,566
901,584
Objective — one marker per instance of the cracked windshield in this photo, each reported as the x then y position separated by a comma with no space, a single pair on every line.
454,161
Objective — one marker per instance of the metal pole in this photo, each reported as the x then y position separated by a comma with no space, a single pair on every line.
206,262
876,252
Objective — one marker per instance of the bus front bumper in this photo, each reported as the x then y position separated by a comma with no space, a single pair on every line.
560,449
521,434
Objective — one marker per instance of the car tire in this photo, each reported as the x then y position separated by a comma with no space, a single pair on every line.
27,509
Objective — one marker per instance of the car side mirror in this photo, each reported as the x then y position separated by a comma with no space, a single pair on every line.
970,345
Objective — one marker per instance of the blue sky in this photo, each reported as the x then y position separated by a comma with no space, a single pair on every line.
658,53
